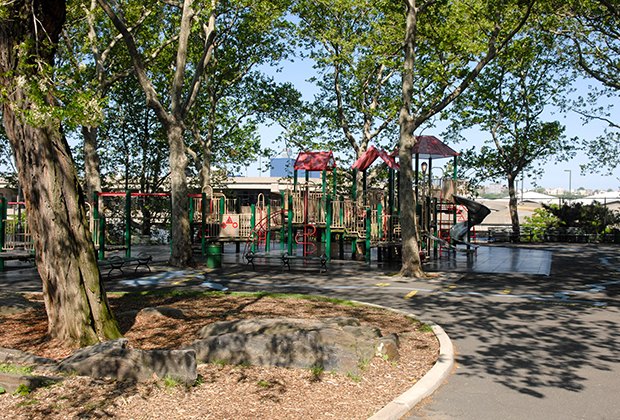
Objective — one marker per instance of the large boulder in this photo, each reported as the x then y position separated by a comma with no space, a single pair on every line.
113,359
334,344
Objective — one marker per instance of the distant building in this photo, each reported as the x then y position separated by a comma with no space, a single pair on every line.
283,167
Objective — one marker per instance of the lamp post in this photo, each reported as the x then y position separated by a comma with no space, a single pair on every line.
569,181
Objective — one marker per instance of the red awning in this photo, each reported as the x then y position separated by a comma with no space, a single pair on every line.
315,161
370,155
431,147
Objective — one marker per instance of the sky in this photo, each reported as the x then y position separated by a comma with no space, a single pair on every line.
556,175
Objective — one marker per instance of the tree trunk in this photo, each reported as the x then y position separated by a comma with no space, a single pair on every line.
512,206
92,170
411,264
75,300
181,254
205,172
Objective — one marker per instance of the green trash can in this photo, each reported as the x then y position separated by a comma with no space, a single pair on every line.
214,255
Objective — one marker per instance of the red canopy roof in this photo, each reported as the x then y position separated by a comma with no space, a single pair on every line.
370,155
315,161
431,147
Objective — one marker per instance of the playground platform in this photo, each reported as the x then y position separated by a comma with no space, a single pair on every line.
494,260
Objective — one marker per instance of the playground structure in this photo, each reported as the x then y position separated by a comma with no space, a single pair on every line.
303,222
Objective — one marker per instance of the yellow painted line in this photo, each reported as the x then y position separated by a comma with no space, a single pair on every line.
382,284
411,294
506,291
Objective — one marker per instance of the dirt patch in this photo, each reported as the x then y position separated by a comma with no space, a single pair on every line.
222,391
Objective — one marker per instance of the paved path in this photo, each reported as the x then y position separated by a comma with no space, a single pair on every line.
528,346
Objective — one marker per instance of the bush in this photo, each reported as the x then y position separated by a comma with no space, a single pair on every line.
540,222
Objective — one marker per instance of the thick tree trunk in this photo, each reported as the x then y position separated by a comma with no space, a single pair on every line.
181,254
75,300
92,170
411,264
512,206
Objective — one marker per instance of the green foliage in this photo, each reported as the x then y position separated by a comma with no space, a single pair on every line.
425,328
317,372
540,222
589,218
264,383
2,390
22,390
10,368
170,382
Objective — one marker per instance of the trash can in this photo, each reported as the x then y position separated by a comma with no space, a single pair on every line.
214,255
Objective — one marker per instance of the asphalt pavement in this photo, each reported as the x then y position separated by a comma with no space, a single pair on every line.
528,346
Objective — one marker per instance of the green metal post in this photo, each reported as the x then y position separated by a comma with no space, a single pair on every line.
203,224
3,212
368,230
289,237
101,239
328,229
380,220
324,183
268,227
192,212
354,185
253,225
282,228
128,223
364,181
295,180
95,214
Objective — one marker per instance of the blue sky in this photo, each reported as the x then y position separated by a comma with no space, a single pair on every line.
555,175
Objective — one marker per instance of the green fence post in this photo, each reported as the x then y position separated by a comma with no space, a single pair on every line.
192,212
328,229
253,225
95,207
282,228
128,223
380,220
203,224
101,239
268,227
3,213
290,225
368,230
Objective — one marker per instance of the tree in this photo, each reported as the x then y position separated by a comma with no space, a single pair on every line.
237,96
181,90
355,46
591,34
446,45
75,300
508,101
89,70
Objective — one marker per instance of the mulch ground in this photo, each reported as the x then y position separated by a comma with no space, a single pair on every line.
222,391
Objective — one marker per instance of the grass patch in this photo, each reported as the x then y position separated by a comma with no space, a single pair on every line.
2,390
264,384
355,377
22,390
170,382
15,369
317,372
425,328
257,295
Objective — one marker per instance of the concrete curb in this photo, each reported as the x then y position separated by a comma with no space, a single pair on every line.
428,384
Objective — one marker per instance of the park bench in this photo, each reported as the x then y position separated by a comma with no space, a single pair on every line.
116,262
286,259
